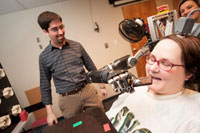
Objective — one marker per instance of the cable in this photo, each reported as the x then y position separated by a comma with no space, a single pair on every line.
95,24
91,11
198,9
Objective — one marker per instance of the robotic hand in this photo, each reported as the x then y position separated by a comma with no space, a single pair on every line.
120,80
123,81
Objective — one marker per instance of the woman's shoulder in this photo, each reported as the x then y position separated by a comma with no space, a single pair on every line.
191,93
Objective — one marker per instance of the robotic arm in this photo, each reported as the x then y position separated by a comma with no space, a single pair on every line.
116,73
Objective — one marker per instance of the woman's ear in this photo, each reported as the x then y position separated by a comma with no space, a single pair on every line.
188,76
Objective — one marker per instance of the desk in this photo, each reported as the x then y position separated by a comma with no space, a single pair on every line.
92,122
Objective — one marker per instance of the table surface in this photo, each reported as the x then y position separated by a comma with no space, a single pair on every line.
93,121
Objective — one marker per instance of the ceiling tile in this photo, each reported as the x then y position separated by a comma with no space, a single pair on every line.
36,3
7,6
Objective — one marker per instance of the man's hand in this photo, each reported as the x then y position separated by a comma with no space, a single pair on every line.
51,118
103,90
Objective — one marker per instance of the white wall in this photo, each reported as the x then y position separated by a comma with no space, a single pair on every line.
19,50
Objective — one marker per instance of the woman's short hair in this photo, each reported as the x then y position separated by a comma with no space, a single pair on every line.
190,55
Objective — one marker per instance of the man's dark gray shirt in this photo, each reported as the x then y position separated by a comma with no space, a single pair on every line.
65,65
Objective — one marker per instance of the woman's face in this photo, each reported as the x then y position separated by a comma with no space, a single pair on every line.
166,82
187,7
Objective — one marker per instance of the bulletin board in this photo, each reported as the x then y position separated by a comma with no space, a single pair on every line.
8,99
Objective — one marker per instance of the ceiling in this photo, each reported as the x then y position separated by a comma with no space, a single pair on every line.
9,6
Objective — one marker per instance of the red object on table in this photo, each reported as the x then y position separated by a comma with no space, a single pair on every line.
106,127
23,115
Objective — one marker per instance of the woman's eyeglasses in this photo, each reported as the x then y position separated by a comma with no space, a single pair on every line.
162,63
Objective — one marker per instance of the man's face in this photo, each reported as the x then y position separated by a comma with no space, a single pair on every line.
170,81
187,7
56,32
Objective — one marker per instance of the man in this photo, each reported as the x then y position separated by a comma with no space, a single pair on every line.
63,60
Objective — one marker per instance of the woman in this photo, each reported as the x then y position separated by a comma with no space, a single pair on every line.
186,6
166,106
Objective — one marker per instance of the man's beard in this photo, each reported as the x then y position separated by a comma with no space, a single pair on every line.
60,40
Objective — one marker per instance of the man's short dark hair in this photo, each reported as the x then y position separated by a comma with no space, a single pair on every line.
45,18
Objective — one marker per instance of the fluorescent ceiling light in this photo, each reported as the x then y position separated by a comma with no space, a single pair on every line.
124,2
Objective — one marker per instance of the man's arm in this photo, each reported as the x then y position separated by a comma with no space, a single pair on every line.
90,66
45,88
45,85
